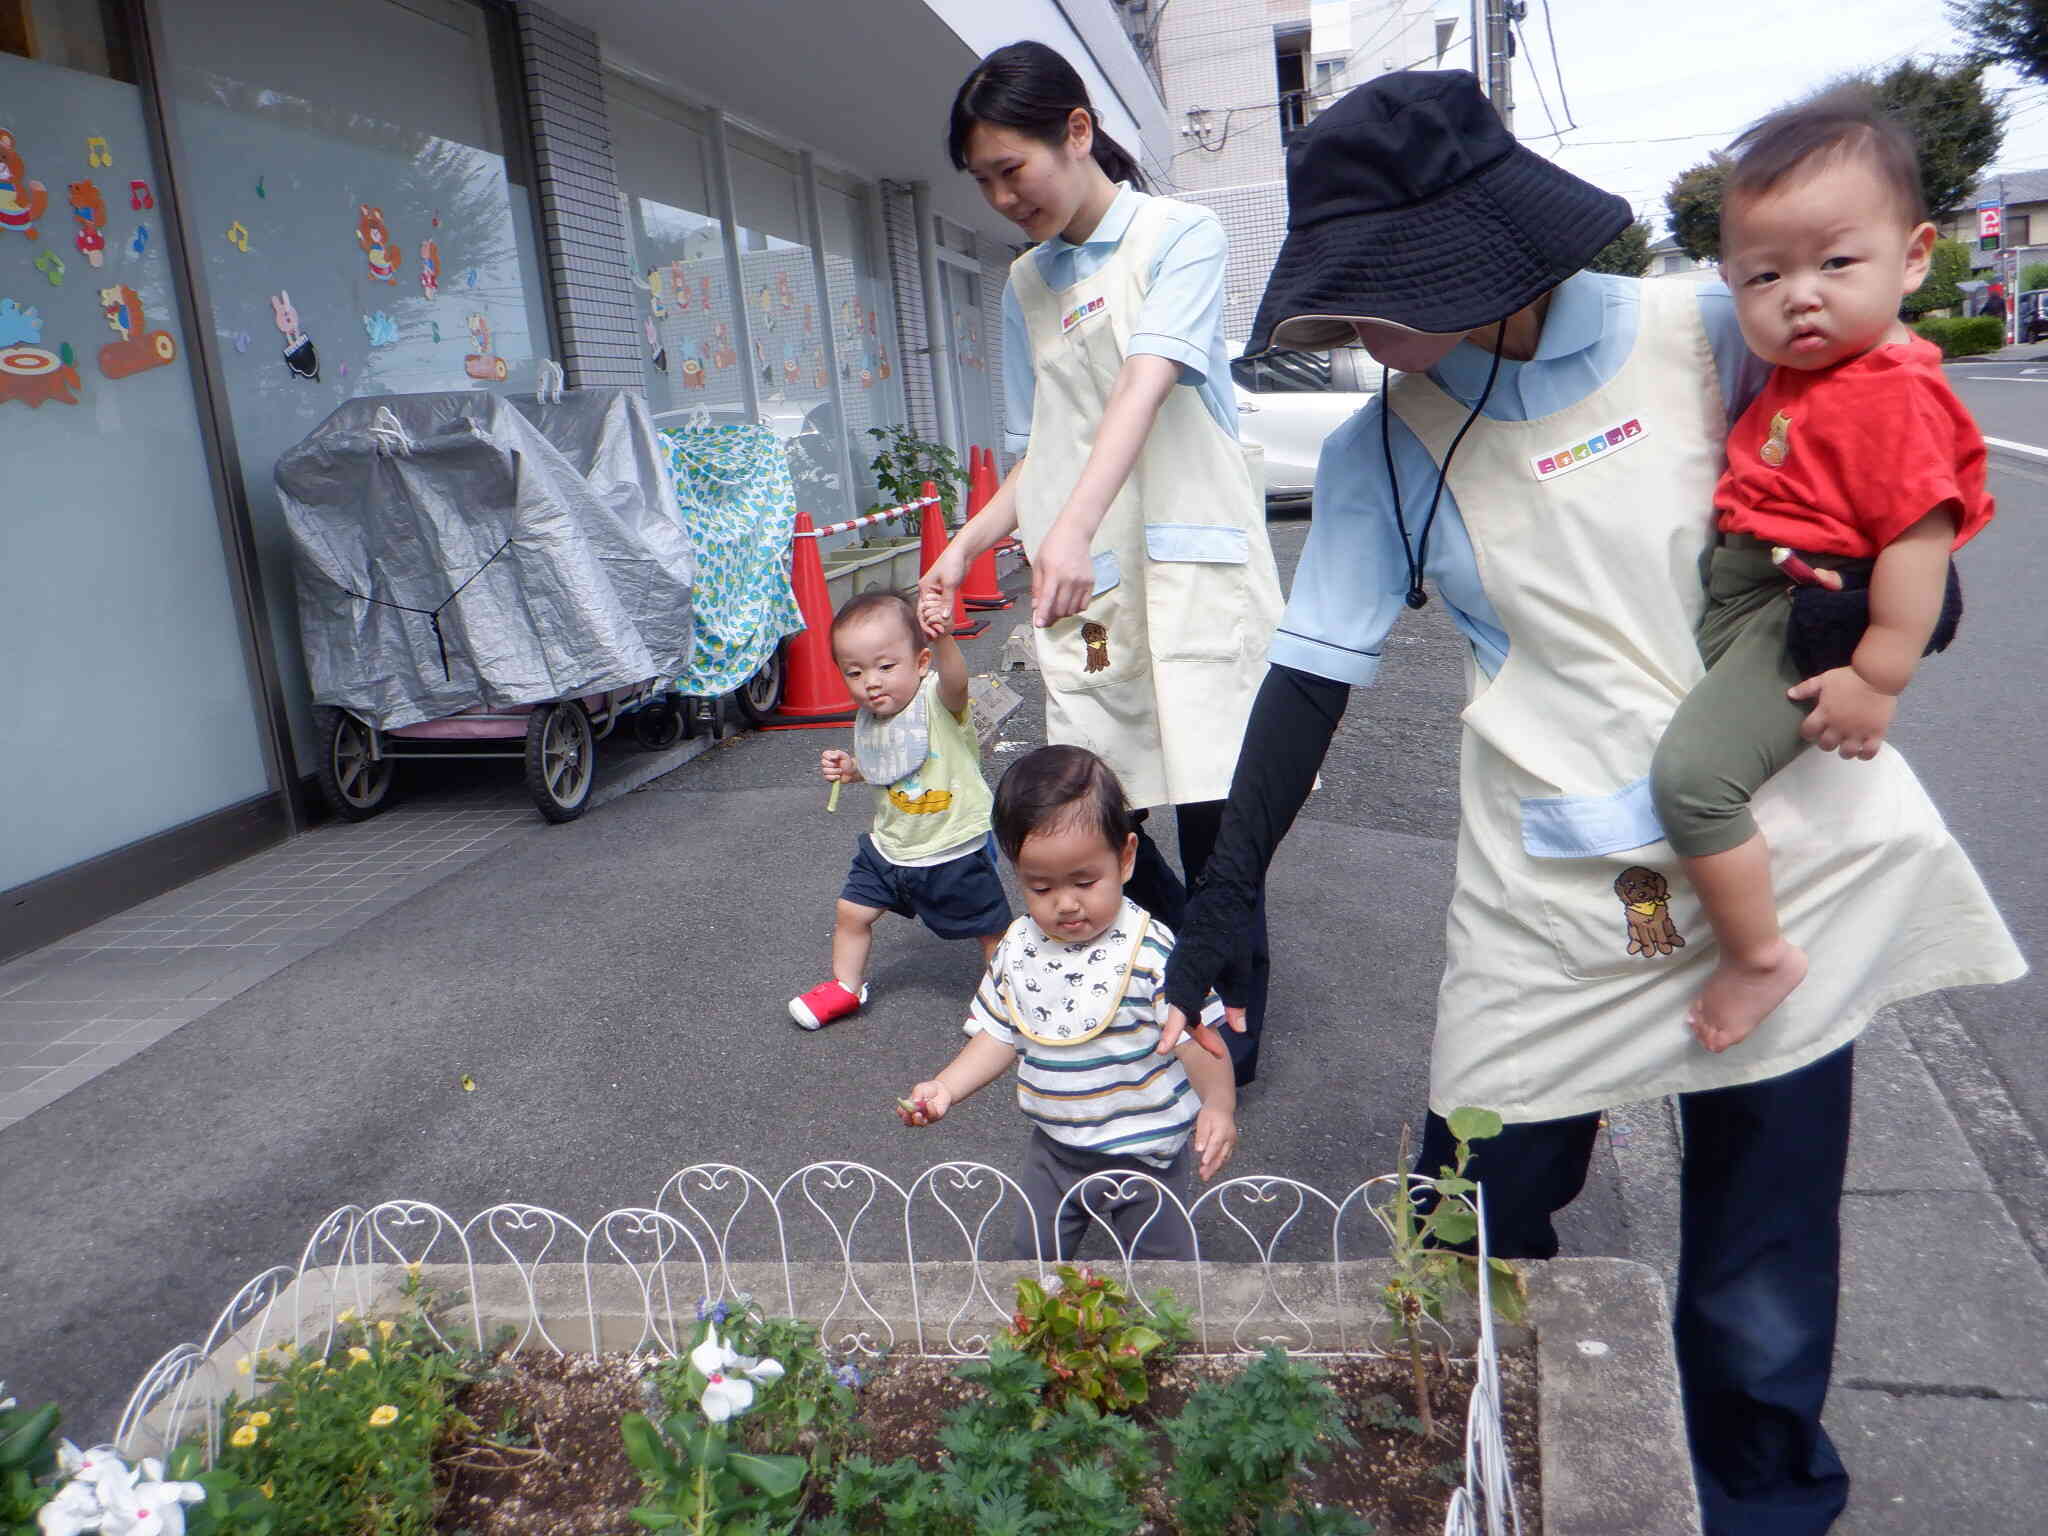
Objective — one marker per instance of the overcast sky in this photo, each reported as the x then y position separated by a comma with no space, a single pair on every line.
1635,77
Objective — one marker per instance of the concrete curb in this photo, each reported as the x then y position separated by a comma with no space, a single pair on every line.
1614,1455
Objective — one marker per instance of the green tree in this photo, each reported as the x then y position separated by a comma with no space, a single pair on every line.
2013,32
1694,203
1949,266
1943,105
1627,254
1955,124
2033,275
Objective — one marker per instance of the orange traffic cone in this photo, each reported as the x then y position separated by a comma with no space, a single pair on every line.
980,589
813,692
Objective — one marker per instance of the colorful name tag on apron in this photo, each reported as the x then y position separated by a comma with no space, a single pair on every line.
895,748
1080,312
1549,466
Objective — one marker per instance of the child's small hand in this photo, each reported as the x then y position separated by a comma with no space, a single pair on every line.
837,767
1215,1140
1848,715
934,614
926,1105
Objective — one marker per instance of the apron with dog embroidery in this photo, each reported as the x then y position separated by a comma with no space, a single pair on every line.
1574,944
1156,675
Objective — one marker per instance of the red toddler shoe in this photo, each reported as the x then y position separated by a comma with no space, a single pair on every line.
824,1004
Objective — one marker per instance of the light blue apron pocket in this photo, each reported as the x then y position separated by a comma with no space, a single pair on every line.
1195,590
1586,826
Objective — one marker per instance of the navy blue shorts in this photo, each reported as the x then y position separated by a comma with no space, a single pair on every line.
959,899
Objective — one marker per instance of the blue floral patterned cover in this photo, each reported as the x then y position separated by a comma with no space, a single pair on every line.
732,484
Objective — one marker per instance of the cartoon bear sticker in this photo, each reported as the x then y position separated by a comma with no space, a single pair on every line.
374,236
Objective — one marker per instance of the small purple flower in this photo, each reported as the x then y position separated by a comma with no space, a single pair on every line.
848,1375
715,1311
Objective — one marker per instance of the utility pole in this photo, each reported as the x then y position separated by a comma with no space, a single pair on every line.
1498,50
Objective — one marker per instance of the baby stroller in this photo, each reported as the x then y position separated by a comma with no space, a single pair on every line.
481,576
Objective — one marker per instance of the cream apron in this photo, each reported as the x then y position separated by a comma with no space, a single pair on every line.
1566,984
1156,676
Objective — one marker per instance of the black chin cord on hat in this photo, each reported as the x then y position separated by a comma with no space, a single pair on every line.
1418,556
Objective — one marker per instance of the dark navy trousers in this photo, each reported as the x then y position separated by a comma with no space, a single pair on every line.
1759,1272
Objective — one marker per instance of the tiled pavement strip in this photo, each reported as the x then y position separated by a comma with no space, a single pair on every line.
75,1008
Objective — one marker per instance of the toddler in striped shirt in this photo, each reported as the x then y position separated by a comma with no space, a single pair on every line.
1073,997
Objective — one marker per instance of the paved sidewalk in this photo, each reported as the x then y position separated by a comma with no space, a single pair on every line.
73,1009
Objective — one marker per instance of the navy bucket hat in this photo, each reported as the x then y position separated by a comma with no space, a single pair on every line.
1409,201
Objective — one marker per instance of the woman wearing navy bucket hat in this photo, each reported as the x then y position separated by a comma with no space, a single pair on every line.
1546,462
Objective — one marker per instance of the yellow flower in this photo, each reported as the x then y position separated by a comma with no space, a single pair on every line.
259,1419
348,1315
413,1269
358,1355
385,1329
269,1488
243,1365
382,1415
244,1436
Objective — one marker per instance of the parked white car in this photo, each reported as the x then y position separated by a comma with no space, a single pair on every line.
1288,402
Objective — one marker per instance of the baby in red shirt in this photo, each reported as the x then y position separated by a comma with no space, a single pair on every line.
1857,454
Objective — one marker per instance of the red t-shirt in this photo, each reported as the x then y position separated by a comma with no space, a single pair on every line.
1843,461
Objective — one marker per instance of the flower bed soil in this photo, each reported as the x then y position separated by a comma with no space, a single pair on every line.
564,1472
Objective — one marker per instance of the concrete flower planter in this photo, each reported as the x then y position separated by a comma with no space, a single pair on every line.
1613,1452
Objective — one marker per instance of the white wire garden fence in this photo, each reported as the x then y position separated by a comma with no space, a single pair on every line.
906,1269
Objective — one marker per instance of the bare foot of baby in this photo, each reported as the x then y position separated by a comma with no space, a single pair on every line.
1741,995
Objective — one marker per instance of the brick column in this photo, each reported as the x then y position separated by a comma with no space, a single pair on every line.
581,214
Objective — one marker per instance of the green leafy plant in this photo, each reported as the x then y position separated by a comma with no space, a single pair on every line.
28,1460
698,1481
344,1443
1947,265
1081,1329
811,1411
2033,275
1970,336
1426,1235
905,461
1240,1446
1013,1466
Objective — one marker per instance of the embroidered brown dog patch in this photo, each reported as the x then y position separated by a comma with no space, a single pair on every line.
1096,638
1645,897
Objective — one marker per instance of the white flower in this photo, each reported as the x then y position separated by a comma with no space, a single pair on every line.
151,1507
74,1511
727,1393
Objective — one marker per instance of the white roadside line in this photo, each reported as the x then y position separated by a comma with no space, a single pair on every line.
2011,447
2003,378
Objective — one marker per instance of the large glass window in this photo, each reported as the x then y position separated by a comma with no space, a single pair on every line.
125,706
364,231
863,327
663,156
962,291
780,288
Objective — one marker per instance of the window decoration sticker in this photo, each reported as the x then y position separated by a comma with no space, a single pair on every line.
139,246
21,201
381,329
89,209
259,188
97,153
654,282
704,293
374,236
51,265
299,355
430,268
33,374
238,237
138,197
139,348
679,286
435,325
20,325
882,364
654,345
693,373
867,379
483,363
722,354
782,290
792,375
469,278
241,341
810,326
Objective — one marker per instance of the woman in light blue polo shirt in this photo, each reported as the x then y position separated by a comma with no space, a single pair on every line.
1153,587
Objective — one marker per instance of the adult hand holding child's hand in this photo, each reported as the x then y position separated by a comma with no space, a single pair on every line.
1176,1028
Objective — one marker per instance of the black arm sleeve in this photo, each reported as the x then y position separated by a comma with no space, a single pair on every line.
1292,721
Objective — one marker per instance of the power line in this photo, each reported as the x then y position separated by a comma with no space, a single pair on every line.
1557,69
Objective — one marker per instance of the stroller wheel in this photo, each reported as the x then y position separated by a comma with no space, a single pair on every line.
657,727
352,781
561,759
758,696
